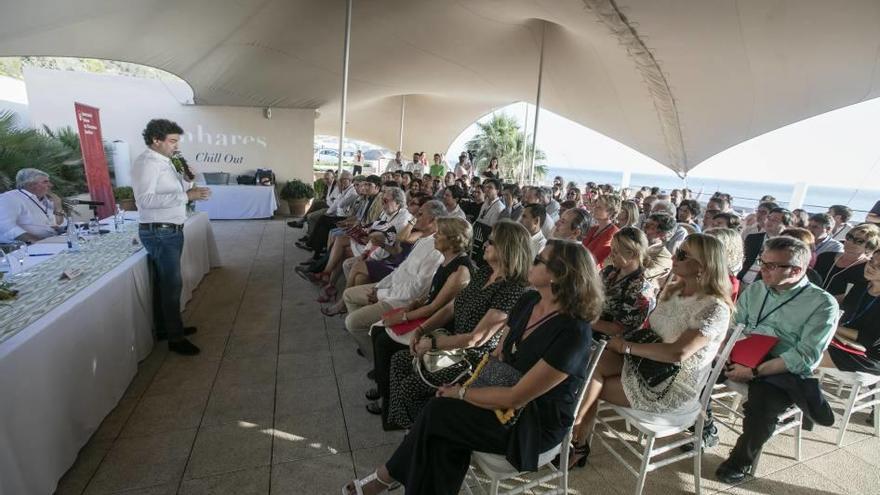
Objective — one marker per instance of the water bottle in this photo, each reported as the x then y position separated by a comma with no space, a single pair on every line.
72,236
118,218
94,226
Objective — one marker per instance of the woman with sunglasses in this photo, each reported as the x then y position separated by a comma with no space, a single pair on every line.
628,294
547,339
856,343
662,369
472,321
838,270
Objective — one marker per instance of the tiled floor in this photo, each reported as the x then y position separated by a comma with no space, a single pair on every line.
274,405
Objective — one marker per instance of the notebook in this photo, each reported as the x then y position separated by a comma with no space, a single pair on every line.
404,327
752,350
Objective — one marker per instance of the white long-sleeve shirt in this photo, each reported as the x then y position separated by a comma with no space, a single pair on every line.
344,204
159,191
23,212
412,278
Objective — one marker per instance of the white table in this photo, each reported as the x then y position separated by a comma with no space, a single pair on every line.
61,375
239,202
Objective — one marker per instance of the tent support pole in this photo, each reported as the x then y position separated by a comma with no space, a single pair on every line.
402,120
344,106
522,167
537,106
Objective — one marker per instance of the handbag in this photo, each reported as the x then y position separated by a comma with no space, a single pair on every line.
652,373
434,367
492,372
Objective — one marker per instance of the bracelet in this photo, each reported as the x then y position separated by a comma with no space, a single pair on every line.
461,391
627,349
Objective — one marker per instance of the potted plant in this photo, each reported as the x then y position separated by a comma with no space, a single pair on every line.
298,195
125,197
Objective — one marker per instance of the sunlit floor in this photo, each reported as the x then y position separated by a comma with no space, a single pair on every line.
274,404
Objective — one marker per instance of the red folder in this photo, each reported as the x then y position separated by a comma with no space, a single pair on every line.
752,350
405,327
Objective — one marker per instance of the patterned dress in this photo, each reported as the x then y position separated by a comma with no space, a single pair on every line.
408,394
628,300
673,316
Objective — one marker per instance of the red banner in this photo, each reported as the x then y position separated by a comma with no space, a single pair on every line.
92,145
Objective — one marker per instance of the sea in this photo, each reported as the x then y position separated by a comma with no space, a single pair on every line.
745,193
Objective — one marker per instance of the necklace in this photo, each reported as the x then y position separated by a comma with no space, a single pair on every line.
830,278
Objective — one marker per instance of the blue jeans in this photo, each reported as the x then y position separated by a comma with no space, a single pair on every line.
164,246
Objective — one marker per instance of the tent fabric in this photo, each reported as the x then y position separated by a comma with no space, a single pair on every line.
677,80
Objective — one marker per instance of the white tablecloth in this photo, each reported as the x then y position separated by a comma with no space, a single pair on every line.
64,373
239,202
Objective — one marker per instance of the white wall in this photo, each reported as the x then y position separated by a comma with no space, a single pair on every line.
237,140
13,98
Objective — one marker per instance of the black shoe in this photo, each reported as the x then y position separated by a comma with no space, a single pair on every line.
303,272
372,394
303,245
297,224
374,408
306,263
304,238
710,438
361,354
728,473
183,347
870,419
370,374
579,452
186,331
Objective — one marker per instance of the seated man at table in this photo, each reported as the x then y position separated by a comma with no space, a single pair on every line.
785,305
30,212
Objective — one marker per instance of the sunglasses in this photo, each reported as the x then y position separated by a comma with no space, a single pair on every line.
855,240
490,242
538,261
769,265
681,255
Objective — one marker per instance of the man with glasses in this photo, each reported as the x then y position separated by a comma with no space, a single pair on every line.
785,305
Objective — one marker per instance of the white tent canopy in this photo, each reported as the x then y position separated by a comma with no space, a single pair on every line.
678,80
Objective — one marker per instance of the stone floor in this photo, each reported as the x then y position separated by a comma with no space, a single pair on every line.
274,405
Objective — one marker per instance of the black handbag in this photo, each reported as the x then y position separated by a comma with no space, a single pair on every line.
652,373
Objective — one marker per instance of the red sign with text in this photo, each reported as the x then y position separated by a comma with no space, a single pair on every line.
92,145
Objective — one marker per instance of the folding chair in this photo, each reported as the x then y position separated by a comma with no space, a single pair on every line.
653,427
497,469
863,394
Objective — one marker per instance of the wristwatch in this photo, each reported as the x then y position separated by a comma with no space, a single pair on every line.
754,373
461,391
433,342
627,349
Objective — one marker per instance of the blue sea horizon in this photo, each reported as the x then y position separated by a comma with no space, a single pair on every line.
746,193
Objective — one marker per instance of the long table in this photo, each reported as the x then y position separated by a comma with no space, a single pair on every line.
63,373
239,202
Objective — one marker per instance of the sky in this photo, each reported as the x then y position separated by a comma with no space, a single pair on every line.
812,150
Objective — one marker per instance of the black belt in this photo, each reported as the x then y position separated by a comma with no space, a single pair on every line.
153,226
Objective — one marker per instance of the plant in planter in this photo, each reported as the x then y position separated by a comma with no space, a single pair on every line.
125,197
298,194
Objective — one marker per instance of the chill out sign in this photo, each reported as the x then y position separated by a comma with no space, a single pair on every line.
233,147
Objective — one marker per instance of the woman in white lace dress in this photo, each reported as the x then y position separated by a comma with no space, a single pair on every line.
662,369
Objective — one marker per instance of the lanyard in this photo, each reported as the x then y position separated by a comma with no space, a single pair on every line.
44,210
762,316
861,313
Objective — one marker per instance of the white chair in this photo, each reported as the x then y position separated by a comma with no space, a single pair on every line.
863,394
497,469
792,419
652,427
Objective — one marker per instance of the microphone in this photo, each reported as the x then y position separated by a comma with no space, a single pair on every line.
83,202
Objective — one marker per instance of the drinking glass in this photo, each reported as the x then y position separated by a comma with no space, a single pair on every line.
19,253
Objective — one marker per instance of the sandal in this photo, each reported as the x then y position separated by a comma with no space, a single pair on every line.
358,485
373,394
329,311
327,297
374,408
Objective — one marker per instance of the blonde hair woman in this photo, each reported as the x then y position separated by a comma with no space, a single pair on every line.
598,238
686,329
733,251
629,215
628,293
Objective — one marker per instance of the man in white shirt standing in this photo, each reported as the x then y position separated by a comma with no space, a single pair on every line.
395,165
463,167
161,198
30,212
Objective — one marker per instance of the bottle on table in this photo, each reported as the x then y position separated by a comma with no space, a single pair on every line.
72,236
94,226
118,218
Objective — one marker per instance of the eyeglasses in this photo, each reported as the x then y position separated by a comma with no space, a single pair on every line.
681,255
539,261
855,240
769,265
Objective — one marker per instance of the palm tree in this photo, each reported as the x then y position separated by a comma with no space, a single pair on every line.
502,137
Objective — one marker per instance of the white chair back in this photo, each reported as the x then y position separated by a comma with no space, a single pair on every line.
721,362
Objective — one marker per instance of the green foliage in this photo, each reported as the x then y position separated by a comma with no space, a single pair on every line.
13,67
320,186
123,192
297,189
502,137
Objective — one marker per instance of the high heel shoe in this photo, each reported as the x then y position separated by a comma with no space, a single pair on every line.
577,457
356,487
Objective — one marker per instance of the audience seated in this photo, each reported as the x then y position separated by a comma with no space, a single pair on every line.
682,337
841,215
533,218
452,196
658,227
777,220
689,212
799,218
727,221
367,303
754,223
319,203
856,343
513,207
839,271
338,209
547,339
472,321
598,237
30,212
629,296
821,225
628,216
572,225
679,233
733,253
783,304
452,240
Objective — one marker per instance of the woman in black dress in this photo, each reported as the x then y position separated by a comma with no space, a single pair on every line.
547,339
856,343
477,314
838,270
